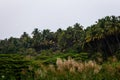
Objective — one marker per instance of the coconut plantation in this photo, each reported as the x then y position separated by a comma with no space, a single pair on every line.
75,53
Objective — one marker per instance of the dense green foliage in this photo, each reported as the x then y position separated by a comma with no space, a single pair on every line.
36,57
12,65
102,37
19,67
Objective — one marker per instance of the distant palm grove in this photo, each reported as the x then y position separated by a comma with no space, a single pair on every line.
72,54
102,37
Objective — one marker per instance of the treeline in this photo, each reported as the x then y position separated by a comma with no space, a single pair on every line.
102,37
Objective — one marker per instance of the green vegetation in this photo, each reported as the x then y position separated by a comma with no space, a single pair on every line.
18,67
72,54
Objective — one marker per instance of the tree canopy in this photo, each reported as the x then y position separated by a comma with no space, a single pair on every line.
103,37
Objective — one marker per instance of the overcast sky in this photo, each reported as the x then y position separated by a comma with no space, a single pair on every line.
18,16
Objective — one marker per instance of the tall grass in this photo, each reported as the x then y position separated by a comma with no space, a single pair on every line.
76,70
71,65
68,70
62,69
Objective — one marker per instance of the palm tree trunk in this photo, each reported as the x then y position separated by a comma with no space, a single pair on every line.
110,49
118,41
